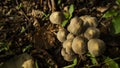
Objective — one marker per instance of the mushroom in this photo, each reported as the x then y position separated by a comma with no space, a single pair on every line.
92,32
63,51
56,17
61,35
96,47
67,44
79,45
89,21
70,36
69,57
20,61
75,26
66,56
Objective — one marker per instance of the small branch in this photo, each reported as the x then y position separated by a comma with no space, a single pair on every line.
49,5
53,5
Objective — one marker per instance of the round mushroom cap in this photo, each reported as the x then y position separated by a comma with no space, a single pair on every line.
70,36
92,32
75,26
56,17
89,21
63,52
66,56
96,47
69,57
67,44
61,35
79,45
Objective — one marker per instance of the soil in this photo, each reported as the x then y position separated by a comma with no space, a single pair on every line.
25,27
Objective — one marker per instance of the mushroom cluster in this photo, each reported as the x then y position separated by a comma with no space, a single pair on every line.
81,36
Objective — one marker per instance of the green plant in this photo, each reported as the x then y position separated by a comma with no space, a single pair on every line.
36,64
3,46
115,15
27,48
93,59
68,15
72,65
19,6
111,63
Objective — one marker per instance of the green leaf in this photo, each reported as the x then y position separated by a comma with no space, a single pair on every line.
27,48
45,16
72,65
115,25
111,63
75,61
67,15
59,2
36,64
3,46
93,59
118,2
19,6
110,13
22,30
71,10
64,23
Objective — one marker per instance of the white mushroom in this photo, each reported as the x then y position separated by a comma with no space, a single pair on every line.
75,26
92,32
63,52
61,35
20,61
66,56
67,44
89,21
96,47
56,17
79,45
70,36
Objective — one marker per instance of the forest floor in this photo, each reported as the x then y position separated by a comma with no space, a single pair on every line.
25,28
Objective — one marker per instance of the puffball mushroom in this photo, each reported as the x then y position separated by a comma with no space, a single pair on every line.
75,25
56,17
96,47
89,21
61,35
67,44
79,45
70,36
92,32
63,51
66,56
69,57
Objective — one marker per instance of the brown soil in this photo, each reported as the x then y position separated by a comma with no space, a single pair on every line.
24,23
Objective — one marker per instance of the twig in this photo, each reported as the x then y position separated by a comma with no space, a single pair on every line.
53,5
49,5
